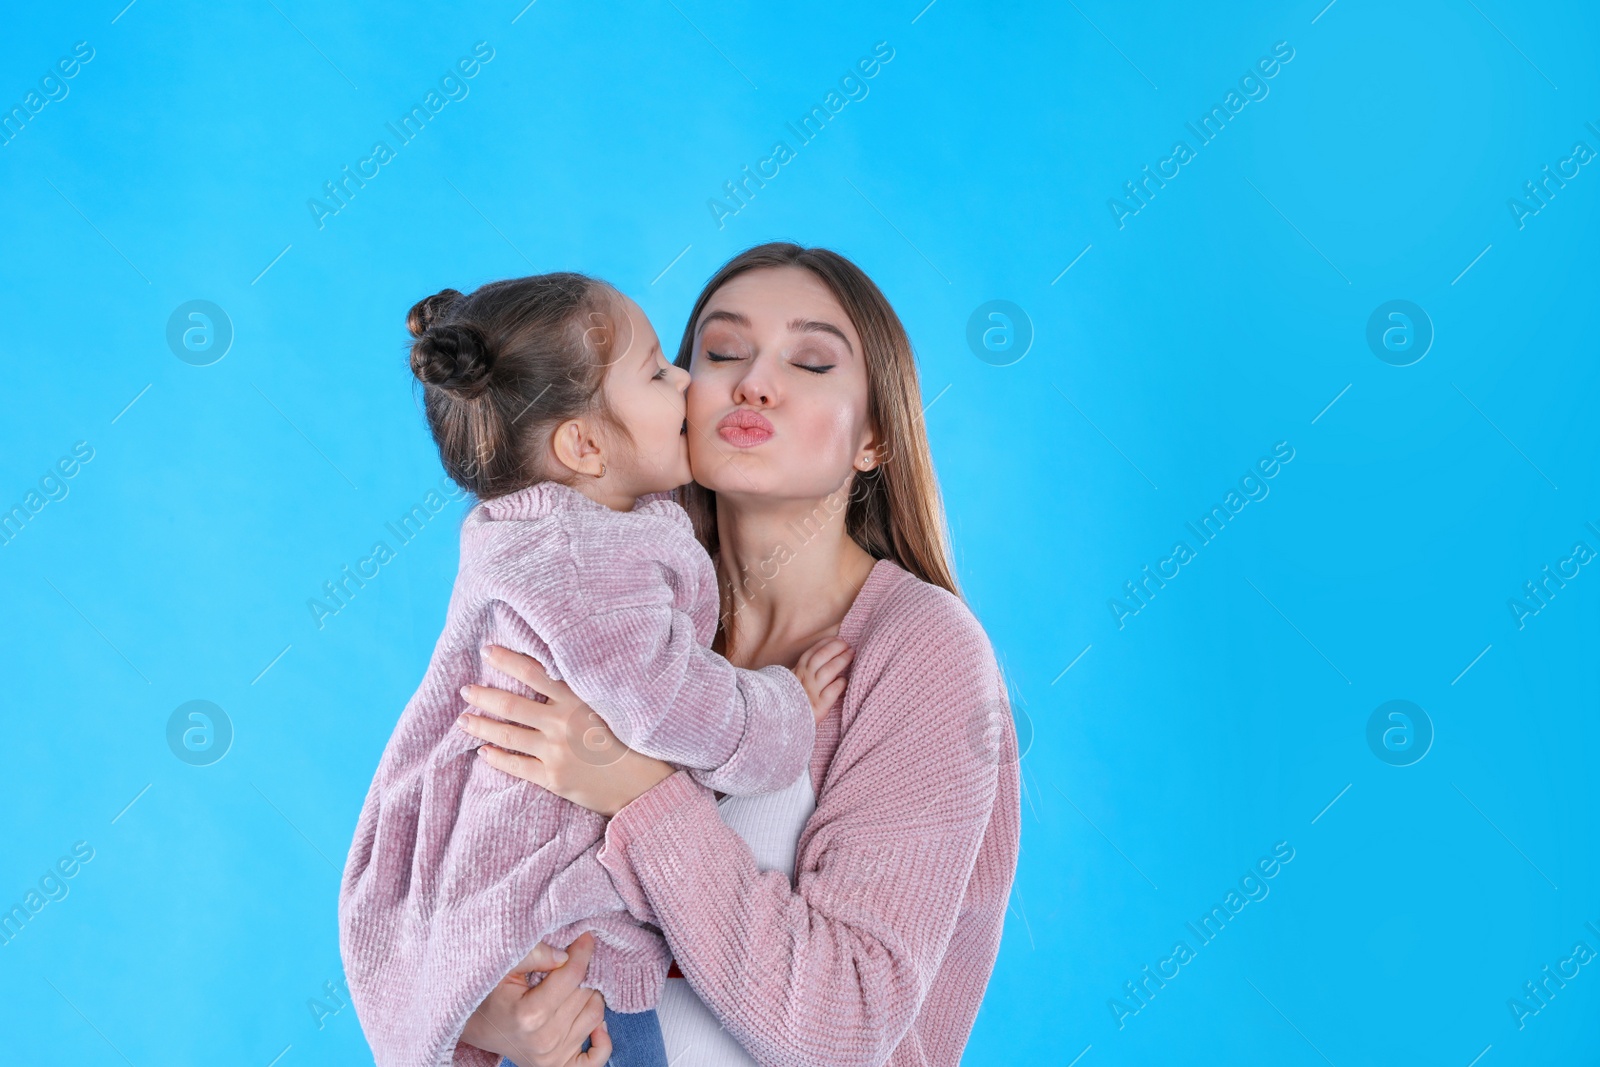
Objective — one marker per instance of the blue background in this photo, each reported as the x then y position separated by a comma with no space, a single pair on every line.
1222,318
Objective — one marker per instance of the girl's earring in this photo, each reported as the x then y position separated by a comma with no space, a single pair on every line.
602,473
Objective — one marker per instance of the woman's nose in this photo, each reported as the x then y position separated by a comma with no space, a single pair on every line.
754,387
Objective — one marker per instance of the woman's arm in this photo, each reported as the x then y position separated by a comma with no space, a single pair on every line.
544,1026
835,967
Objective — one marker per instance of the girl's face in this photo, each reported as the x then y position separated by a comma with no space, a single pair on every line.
778,403
645,393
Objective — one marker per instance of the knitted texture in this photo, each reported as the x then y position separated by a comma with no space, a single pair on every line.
879,950
458,869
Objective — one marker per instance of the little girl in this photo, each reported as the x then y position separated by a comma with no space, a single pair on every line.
552,403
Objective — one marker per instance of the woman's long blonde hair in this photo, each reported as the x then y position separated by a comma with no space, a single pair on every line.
895,510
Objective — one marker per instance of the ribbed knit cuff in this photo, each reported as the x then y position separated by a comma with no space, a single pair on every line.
639,821
466,1055
631,983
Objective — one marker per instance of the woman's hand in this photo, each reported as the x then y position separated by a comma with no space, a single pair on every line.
544,1026
560,744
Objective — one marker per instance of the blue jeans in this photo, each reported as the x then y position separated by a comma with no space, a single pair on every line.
635,1040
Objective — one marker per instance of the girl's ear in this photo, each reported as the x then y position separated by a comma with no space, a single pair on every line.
576,448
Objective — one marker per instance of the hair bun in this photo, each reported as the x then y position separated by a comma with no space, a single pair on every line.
430,310
453,356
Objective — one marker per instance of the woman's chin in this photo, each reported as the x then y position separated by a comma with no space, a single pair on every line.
728,472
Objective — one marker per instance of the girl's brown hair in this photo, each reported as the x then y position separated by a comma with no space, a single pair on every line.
502,366
895,511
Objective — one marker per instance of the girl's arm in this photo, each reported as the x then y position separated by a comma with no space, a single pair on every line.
644,671
622,609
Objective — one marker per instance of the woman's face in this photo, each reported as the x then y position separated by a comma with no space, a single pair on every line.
777,403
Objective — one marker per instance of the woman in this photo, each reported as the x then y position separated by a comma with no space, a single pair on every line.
853,918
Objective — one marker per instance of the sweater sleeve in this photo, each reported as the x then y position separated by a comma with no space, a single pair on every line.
643,670
833,968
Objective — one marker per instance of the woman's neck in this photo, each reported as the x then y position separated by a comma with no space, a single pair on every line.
788,574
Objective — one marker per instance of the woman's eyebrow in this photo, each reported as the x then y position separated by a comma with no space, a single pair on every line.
815,326
724,316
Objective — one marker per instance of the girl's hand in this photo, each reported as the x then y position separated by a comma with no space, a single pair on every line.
821,673
560,744
544,1026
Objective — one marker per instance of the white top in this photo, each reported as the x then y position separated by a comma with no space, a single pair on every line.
771,826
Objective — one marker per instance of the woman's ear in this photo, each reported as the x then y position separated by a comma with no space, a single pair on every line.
871,454
576,448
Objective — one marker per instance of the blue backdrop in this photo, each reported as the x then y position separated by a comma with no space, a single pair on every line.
1287,416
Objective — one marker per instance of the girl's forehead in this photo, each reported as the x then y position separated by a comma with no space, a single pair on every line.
635,327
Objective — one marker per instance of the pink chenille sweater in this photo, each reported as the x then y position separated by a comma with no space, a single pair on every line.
879,950
457,869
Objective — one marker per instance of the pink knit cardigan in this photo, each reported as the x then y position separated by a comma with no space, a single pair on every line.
457,869
879,950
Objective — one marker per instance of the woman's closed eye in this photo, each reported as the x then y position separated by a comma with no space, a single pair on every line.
815,368
814,357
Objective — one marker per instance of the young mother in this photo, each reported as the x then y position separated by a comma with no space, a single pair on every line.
853,918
